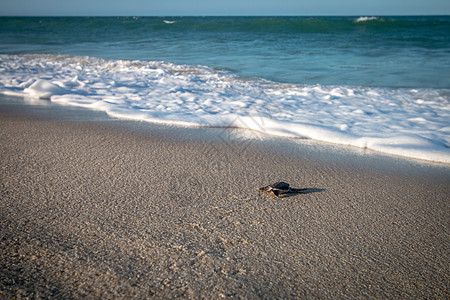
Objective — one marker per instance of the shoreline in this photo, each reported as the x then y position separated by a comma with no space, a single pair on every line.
396,121
113,208
47,110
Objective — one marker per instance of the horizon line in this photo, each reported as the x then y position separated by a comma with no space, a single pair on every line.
238,15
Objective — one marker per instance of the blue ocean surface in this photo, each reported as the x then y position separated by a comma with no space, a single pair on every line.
360,51
373,82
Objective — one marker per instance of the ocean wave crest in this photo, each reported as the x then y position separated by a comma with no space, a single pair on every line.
365,19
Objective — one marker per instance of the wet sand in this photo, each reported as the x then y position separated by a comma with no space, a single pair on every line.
113,210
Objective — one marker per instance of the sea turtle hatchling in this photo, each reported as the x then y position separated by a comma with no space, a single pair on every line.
280,188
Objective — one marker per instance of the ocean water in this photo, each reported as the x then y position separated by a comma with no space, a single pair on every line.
381,83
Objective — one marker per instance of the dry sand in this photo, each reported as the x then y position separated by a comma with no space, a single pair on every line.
100,210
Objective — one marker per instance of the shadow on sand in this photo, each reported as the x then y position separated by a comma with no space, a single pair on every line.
307,191
293,194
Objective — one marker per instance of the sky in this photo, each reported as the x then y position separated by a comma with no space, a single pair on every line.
221,7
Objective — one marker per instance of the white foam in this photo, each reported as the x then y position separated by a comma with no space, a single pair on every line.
365,19
407,122
44,89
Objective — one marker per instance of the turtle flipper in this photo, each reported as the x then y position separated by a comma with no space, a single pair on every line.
276,192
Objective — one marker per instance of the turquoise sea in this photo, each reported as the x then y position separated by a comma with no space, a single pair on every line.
362,51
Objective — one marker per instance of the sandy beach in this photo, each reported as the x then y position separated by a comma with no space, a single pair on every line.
115,210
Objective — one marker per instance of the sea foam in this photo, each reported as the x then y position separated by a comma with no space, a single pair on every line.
406,122
365,19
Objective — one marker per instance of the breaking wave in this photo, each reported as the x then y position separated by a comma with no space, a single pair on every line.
407,122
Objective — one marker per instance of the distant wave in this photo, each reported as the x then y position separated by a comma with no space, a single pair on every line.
365,19
169,22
